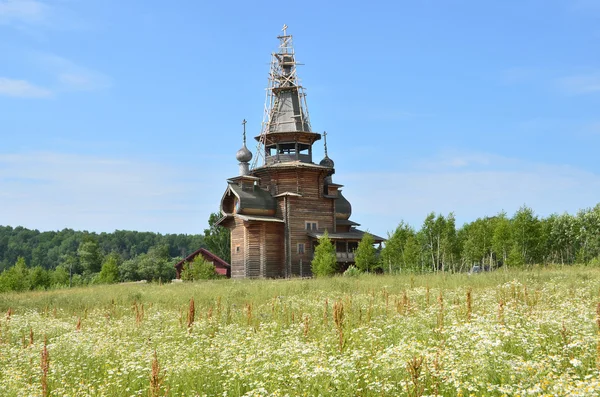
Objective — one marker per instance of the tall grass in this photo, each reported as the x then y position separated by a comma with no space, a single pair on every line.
507,332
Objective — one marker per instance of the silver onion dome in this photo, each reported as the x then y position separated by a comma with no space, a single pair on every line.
243,155
327,162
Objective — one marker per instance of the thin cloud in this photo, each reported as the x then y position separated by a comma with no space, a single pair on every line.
49,191
72,76
22,89
581,84
469,191
22,11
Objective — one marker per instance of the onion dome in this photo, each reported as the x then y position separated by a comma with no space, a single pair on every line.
243,155
327,162
343,208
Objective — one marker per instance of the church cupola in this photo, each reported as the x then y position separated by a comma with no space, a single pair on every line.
244,155
286,135
326,162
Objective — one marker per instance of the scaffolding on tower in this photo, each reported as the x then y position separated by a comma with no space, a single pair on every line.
282,78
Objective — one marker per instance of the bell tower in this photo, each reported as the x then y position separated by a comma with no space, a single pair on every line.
286,134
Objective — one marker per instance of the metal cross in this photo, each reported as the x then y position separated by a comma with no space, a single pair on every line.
325,138
244,124
284,29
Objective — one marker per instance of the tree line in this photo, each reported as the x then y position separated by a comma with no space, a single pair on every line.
489,242
30,259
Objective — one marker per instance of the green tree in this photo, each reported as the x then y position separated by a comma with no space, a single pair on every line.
109,274
401,249
324,262
90,256
60,276
501,239
217,238
365,255
39,278
199,269
526,234
16,278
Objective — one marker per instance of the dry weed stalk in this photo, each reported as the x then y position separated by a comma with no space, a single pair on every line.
139,312
155,378
501,312
338,318
326,311
9,313
405,302
249,312
427,295
30,336
191,313
78,326
469,304
306,325
413,367
45,365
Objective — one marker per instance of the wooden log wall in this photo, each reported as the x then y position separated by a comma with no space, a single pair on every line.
238,268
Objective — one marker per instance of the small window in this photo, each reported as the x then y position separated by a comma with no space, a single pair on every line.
237,248
301,248
311,225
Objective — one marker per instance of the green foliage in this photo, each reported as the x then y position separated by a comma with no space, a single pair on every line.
16,278
365,255
109,273
401,251
90,256
324,262
217,238
53,248
199,269
515,257
352,271
39,278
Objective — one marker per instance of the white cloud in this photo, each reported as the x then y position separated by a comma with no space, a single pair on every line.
22,89
581,84
72,76
51,191
29,11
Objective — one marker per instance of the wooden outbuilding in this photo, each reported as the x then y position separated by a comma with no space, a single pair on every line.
221,267
278,208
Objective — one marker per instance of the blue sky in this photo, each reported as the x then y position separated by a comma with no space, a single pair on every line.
127,114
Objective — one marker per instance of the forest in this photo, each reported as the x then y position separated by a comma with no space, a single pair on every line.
491,242
30,259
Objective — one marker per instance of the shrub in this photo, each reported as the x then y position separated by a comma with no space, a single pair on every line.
199,269
324,262
352,271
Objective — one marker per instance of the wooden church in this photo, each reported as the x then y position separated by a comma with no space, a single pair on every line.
278,207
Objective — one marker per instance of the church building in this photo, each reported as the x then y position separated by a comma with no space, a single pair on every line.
281,203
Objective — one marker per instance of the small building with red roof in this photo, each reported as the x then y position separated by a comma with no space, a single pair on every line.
221,267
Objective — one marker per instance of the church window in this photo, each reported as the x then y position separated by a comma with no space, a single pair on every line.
301,248
312,225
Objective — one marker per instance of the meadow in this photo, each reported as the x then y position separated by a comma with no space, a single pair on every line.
507,333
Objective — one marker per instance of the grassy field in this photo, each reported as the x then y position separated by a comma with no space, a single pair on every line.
504,333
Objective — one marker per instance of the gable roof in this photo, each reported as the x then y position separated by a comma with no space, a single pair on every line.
221,266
